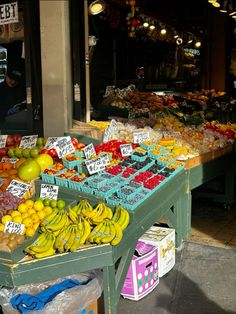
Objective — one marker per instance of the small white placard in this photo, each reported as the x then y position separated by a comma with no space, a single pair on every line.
105,160
140,137
18,188
28,141
64,146
9,13
11,160
89,151
3,140
51,142
126,149
49,191
14,227
110,130
94,165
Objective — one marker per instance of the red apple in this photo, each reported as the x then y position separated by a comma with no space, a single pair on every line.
17,138
9,141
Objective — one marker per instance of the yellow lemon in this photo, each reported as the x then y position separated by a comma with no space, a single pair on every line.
22,208
29,231
35,218
17,219
41,214
31,211
6,218
29,203
47,210
27,222
38,205
24,215
15,213
2,227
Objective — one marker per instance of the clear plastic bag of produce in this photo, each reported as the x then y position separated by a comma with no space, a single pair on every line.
71,300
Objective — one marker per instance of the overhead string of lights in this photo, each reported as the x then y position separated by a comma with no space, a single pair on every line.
225,6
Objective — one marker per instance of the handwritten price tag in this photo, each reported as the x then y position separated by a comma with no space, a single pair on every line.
49,191
18,188
3,140
105,160
14,227
64,146
11,160
126,149
28,141
51,142
94,165
140,137
110,130
89,151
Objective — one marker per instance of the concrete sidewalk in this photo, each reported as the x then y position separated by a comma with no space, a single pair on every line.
203,281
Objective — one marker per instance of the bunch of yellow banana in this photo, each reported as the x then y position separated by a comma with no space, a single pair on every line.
100,212
108,231
43,246
55,221
121,216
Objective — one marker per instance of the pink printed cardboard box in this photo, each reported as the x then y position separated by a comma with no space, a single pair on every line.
142,276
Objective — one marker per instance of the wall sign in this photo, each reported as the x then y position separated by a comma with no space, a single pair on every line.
9,13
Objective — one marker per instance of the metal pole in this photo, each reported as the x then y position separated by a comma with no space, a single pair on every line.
86,47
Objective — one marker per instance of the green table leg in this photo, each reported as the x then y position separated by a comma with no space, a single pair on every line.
113,278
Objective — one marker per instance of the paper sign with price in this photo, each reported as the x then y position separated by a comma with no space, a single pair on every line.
89,151
14,227
28,141
11,160
51,142
110,130
126,149
18,188
140,137
64,147
94,165
49,191
3,139
105,160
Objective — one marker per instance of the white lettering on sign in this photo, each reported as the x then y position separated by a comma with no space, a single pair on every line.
140,137
64,146
18,188
9,13
126,150
28,141
14,227
3,139
49,191
89,151
94,165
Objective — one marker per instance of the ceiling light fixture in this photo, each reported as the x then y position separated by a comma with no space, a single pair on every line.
152,27
163,31
97,7
179,41
145,24
198,44
216,4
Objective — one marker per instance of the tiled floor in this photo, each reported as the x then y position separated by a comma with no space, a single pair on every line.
213,224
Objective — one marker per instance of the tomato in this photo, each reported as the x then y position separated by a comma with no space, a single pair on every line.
75,142
44,151
29,170
52,152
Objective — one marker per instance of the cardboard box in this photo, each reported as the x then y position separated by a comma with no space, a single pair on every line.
142,276
164,240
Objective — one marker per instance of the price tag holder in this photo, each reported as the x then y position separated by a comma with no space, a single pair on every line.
51,142
94,165
18,188
49,191
126,150
140,137
28,141
14,227
11,160
3,140
64,146
89,151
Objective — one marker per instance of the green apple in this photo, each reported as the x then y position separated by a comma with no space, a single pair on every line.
34,152
29,170
11,152
26,152
18,152
40,141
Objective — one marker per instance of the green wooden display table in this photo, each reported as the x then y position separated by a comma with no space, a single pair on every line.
166,202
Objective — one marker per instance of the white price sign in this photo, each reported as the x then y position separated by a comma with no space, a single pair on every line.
11,160
105,160
126,150
51,142
18,188
3,140
14,227
140,137
94,165
64,146
28,141
110,130
89,151
49,191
